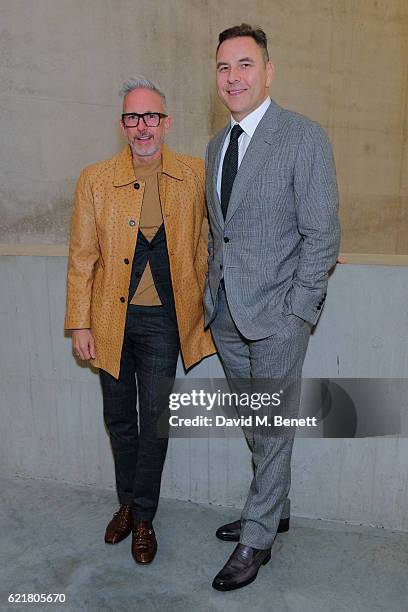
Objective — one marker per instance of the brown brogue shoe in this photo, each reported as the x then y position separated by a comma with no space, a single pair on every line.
144,543
120,525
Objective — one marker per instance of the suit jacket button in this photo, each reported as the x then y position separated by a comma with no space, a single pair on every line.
136,185
122,299
226,239
132,222
319,307
126,261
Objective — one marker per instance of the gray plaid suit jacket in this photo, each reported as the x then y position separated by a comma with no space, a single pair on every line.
281,234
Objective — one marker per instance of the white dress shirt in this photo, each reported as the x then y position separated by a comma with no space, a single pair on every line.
249,125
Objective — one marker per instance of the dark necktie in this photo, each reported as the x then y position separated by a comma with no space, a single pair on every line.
229,168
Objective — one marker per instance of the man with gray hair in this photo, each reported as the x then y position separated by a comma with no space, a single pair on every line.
136,272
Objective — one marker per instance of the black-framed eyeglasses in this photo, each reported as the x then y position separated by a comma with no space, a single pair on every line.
149,119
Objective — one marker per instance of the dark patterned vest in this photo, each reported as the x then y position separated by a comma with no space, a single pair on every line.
154,252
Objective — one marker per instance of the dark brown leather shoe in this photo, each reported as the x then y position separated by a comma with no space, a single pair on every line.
144,543
120,526
241,568
232,531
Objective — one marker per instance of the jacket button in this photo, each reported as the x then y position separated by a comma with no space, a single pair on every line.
226,239
132,222
136,185
122,299
126,261
319,307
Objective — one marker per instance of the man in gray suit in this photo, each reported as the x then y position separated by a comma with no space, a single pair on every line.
272,201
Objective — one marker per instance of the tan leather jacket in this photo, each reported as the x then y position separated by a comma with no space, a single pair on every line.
104,228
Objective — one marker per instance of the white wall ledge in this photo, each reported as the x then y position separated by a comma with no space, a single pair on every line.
61,250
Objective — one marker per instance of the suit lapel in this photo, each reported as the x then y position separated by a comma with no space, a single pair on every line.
262,143
212,173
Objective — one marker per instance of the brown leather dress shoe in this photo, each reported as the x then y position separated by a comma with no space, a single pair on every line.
241,568
144,543
232,531
120,525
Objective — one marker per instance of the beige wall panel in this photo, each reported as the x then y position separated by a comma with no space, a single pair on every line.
36,195
404,100
375,225
63,62
343,63
368,162
190,132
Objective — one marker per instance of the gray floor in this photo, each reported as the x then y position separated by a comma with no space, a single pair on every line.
52,542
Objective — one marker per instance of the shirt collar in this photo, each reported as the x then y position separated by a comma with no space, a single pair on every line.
250,122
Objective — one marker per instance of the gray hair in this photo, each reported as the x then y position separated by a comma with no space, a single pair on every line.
140,82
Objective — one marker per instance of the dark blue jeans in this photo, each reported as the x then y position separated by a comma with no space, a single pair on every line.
150,350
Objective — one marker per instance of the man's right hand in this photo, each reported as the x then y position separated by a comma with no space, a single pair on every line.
83,344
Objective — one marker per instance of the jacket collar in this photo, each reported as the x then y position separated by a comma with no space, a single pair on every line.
125,174
171,165
270,122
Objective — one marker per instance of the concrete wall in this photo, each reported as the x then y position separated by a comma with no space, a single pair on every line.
51,409
343,63
64,62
